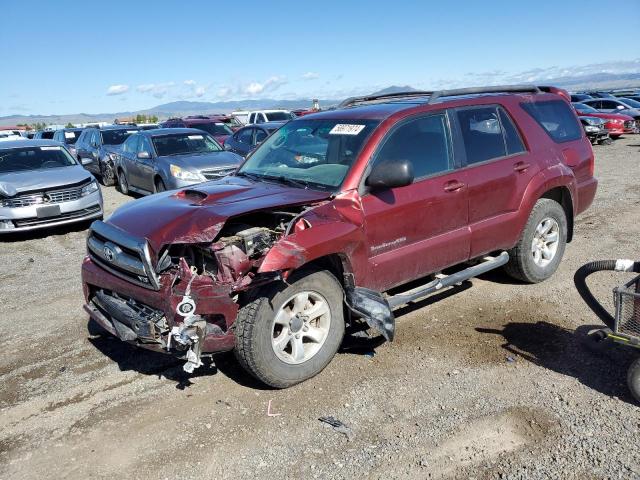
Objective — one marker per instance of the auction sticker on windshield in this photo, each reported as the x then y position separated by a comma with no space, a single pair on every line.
69,135
195,137
346,129
49,148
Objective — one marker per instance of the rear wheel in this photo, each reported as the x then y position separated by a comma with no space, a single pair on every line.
123,184
539,251
107,174
286,334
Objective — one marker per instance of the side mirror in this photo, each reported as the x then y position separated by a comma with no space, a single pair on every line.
85,161
144,155
390,174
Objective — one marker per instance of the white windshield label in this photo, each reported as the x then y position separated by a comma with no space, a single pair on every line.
195,137
50,148
132,131
346,129
69,135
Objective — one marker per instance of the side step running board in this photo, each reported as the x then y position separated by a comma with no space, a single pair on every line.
376,309
488,263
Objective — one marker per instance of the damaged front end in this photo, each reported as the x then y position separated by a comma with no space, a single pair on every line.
185,302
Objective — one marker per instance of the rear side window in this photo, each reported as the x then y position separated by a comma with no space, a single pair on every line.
424,142
482,134
511,136
260,135
556,118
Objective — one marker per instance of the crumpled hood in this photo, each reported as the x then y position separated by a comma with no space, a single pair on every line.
198,213
13,183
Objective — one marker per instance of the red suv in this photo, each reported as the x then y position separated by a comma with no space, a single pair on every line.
333,211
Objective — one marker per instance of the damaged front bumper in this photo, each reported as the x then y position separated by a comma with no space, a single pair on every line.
188,315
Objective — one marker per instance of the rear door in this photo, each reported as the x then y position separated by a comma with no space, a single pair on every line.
420,228
498,168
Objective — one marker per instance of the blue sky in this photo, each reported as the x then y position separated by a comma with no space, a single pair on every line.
70,57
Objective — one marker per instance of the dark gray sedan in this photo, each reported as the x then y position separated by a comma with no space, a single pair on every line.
168,158
42,185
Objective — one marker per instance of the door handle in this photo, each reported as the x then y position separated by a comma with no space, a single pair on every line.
521,166
453,186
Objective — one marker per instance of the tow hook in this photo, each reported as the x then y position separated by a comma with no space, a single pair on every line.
188,335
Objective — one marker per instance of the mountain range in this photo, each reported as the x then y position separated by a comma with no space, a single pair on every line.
579,81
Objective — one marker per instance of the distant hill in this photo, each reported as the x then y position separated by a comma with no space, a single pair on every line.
394,89
582,81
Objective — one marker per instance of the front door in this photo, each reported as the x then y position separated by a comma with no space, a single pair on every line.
421,228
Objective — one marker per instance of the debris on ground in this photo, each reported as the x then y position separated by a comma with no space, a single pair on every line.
338,426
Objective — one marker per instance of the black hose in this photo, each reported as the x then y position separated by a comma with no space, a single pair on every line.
599,266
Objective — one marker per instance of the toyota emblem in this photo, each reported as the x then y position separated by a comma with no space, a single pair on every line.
109,254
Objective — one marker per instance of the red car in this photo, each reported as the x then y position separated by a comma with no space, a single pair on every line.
616,123
318,230
213,125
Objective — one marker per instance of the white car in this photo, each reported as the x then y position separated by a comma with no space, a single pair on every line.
263,116
8,135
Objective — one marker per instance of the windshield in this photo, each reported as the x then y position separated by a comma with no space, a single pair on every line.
310,153
213,128
34,158
116,137
184,144
631,103
581,107
278,116
71,136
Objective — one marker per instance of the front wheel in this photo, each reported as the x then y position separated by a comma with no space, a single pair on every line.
537,254
286,334
123,184
160,186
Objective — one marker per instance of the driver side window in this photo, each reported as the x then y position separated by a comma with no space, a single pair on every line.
424,142
144,145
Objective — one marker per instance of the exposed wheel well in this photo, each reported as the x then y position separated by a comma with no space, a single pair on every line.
562,195
157,178
338,265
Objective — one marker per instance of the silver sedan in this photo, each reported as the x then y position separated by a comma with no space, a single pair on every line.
42,185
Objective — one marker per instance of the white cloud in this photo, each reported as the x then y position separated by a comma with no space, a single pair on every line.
310,76
145,88
190,82
199,91
225,91
117,89
271,84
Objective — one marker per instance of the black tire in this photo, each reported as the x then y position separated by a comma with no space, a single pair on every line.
123,183
107,175
160,186
254,329
633,379
521,264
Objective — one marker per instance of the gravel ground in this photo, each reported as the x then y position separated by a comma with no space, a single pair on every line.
489,381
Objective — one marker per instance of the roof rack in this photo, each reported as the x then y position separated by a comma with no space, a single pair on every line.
351,101
458,92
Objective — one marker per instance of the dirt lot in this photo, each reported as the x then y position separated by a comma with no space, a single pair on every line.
490,381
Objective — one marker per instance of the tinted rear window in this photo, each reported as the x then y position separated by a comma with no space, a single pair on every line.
556,118
116,137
